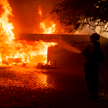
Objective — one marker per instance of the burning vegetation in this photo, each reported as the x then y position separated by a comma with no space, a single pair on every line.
14,51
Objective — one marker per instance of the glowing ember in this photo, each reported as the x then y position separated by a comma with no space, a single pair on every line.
18,51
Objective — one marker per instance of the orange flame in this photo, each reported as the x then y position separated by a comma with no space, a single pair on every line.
29,52
46,30
49,30
7,27
18,51
40,11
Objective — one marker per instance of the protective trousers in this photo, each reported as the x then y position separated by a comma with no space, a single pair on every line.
91,74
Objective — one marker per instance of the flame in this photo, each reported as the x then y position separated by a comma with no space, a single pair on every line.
18,51
40,11
48,30
6,30
29,52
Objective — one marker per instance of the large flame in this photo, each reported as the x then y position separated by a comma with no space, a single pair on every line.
46,29
6,27
28,52
18,51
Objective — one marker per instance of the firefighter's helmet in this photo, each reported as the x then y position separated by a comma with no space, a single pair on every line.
95,36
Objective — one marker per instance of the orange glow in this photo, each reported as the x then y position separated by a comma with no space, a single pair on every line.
40,11
18,51
48,30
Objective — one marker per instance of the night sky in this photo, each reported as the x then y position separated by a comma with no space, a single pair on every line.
26,18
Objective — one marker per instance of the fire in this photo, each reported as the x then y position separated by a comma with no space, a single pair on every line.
14,51
28,52
6,30
48,30
40,11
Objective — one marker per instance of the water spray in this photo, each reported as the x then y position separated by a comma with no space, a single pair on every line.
69,47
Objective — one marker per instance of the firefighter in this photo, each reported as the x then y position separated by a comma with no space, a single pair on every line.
94,55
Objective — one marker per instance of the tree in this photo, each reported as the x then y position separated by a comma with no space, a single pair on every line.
77,14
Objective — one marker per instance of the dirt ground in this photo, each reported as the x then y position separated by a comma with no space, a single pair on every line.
48,88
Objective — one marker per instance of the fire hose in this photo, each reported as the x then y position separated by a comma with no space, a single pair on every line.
103,75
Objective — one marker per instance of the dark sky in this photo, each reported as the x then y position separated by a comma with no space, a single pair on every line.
26,18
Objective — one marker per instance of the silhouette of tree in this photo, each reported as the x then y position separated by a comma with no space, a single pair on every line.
77,14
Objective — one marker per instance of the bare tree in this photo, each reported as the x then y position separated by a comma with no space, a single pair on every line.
77,14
